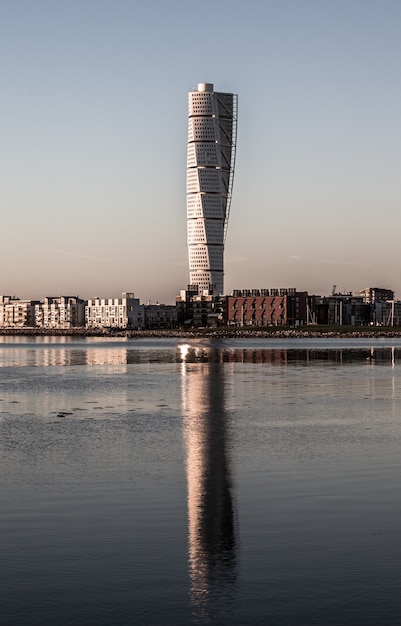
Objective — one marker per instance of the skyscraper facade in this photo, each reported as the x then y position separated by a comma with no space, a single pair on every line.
212,134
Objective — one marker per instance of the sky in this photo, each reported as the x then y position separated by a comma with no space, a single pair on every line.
93,134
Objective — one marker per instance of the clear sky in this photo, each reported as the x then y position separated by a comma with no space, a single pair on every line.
93,131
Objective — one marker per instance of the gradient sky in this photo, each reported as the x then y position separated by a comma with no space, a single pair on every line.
93,131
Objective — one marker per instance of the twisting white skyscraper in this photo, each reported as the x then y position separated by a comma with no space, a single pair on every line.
212,133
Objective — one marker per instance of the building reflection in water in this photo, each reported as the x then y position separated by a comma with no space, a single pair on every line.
212,541
109,356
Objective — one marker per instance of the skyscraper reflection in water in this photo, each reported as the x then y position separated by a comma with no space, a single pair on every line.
212,541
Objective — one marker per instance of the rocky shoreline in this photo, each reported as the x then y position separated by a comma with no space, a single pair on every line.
232,333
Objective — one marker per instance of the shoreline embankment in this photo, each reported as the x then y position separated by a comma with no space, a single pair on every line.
217,333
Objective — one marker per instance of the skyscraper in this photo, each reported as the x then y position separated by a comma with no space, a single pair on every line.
212,133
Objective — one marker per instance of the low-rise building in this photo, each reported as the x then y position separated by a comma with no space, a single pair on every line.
125,312
16,313
376,294
340,309
60,312
386,313
160,316
194,309
268,307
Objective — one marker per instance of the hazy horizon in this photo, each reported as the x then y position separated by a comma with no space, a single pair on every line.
94,131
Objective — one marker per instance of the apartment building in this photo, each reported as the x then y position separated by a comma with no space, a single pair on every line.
376,294
160,316
197,310
125,312
267,307
60,312
16,313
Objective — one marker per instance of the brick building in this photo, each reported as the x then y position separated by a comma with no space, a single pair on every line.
267,307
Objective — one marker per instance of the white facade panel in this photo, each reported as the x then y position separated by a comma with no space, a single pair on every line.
201,103
201,154
202,129
192,181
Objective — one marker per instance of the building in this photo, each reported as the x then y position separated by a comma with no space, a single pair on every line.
212,132
246,307
160,316
60,312
376,294
267,307
124,312
16,313
343,309
198,310
386,313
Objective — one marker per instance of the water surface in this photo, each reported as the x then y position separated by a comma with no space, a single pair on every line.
200,482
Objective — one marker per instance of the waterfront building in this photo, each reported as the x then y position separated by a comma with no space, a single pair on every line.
199,310
125,312
160,316
386,313
267,307
343,309
16,313
376,294
212,132
60,312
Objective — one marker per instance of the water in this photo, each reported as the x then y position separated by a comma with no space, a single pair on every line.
148,482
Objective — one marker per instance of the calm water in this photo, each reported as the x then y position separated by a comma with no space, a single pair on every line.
157,482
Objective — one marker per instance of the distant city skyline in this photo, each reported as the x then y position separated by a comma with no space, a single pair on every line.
93,149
